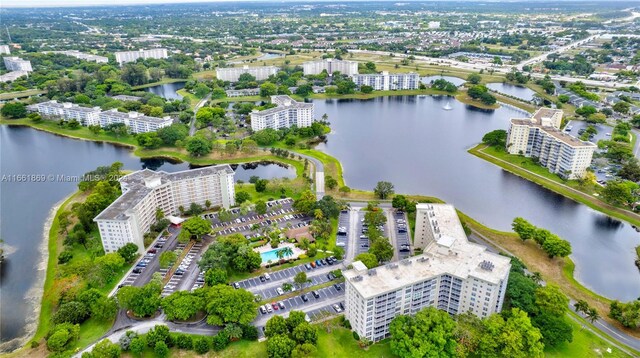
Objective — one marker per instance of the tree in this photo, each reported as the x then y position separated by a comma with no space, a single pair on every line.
14,110
268,89
555,246
621,107
592,315
295,319
173,133
521,292
161,350
216,276
104,308
167,258
382,249
261,207
303,350
228,305
261,185
429,333
159,333
201,90
554,329
62,336
276,325
550,299
474,78
182,305
280,346
106,349
142,301
630,171
496,138
201,345
300,279
196,227
516,337
330,182
106,267
306,202
198,146
128,252
366,89
134,74
305,333
242,196
383,189
368,259
523,228
338,252
617,192
72,312
266,136
138,345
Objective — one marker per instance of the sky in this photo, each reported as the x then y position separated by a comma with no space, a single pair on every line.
53,3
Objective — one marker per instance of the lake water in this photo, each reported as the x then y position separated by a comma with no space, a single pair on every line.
422,149
25,206
512,90
167,90
455,80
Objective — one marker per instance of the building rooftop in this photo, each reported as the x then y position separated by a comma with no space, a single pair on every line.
453,255
283,102
137,185
66,105
135,115
544,112
552,131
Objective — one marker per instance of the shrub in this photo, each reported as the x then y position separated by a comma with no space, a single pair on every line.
161,350
355,335
201,345
220,341
183,341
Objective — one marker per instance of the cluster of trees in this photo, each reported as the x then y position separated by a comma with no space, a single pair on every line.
202,143
552,244
580,89
230,253
496,139
379,246
401,202
444,85
270,136
481,93
547,84
383,189
627,313
518,77
579,65
14,110
210,116
290,337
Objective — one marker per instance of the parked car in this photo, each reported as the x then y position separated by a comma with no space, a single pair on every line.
280,291
304,297
337,287
308,267
266,276
262,279
337,308
236,285
315,294
281,305
313,264
137,270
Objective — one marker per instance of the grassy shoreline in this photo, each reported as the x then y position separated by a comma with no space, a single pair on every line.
158,83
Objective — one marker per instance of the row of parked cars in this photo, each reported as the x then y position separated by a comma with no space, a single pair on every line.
146,259
403,240
321,262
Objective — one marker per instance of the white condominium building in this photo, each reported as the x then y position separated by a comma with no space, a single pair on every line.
385,81
540,137
13,75
287,113
452,274
84,56
13,63
130,216
330,65
52,109
137,122
4,49
131,56
232,74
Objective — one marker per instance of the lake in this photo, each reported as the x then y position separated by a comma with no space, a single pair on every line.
512,90
455,80
24,207
422,149
167,90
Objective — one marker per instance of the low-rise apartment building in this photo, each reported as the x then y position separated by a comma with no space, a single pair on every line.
5,50
331,65
540,137
452,274
131,215
13,63
232,74
123,57
87,116
386,81
137,122
84,56
13,75
243,92
287,114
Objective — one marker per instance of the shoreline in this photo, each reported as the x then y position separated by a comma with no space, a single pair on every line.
35,294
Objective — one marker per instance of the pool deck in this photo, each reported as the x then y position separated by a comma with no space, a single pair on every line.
265,248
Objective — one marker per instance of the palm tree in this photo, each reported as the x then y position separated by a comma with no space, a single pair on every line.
234,331
537,277
280,254
286,251
592,315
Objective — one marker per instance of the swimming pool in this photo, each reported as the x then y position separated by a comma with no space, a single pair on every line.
271,255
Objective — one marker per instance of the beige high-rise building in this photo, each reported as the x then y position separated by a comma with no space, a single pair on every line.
130,216
232,74
331,65
123,57
287,113
452,274
540,137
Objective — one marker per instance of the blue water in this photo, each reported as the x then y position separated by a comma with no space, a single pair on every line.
270,255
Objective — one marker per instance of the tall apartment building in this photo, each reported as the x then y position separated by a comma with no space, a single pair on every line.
540,137
452,274
232,74
137,122
84,56
4,49
330,65
68,111
386,81
13,63
130,216
131,56
287,113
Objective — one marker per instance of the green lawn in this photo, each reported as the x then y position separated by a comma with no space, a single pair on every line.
265,195
193,100
585,344
20,94
340,343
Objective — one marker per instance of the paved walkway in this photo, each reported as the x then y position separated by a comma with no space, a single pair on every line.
192,125
319,174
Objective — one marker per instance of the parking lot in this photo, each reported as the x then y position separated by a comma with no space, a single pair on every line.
317,278
403,241
277,278
183,277
342,238
363,240
604,131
